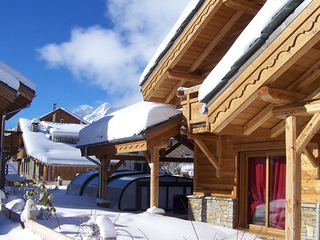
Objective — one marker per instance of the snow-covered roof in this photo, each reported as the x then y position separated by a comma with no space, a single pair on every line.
126,123
39,146
263,28
13,78
179,26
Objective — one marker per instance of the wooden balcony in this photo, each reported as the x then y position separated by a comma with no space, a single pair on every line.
11,142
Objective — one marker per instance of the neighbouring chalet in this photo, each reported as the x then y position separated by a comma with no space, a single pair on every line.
48,150
247,74
16,94
62,115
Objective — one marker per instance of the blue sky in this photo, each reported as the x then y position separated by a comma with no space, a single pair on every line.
83,52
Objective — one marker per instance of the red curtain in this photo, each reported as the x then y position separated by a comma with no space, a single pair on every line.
257,185
257,191
277,204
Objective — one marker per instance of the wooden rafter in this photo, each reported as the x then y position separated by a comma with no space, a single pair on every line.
185,141
307,78
258,120
277,129
185,77
214,41
243,5
174,147
173,91
209,155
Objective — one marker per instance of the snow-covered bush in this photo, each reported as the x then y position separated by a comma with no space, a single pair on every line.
39,194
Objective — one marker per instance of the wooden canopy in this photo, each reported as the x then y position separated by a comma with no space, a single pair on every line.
208,36
154,139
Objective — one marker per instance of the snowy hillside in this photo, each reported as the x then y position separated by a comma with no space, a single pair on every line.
84,111
91,115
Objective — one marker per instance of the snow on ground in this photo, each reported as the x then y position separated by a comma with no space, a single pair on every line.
75,210
13,230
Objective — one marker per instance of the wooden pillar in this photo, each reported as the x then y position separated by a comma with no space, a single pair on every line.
105,160
45,173
154,179
293,182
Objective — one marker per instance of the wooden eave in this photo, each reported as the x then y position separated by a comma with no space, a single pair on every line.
199,48
152,139
12,100
286,72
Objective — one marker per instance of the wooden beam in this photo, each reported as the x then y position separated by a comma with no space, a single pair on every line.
209,155
115,168
215,41
209,137
185,141
154,178
243,5
258,120
147,155
293,182
279,96
305,108
308,132
174,147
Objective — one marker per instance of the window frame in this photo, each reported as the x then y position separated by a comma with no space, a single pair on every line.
243,189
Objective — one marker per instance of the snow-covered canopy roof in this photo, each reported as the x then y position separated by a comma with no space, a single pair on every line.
13,78
129,122
39,146
250,42
179,26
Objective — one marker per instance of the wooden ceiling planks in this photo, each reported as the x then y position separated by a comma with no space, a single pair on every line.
197,50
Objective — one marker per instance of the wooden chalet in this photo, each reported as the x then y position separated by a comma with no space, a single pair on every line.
16,94
256,134
47,147
62,115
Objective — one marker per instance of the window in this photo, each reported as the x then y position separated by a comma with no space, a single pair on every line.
264,181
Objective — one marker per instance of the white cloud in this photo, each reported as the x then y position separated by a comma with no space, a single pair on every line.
114,58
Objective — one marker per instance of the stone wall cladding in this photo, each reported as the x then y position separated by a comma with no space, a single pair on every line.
222,212
308,221
215,210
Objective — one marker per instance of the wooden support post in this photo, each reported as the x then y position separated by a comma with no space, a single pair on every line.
105,160
154,179
45,173
293,182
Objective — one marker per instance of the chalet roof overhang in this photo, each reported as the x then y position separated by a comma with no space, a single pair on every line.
198,48
150,138
285,74
13,100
